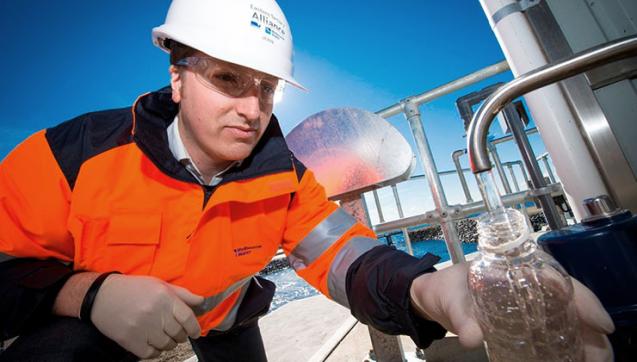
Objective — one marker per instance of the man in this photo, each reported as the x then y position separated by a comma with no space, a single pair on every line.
125,232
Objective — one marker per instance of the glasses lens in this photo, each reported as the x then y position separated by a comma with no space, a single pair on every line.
234,81
224,79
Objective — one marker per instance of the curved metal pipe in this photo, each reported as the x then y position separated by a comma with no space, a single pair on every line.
550,73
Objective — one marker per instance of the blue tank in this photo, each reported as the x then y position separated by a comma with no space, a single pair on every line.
601,252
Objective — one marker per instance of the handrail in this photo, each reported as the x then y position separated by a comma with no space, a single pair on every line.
447,88
550,73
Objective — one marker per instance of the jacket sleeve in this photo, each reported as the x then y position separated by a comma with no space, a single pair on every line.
378,284
343,259
35,246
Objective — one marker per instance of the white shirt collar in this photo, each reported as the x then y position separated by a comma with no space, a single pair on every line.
177,148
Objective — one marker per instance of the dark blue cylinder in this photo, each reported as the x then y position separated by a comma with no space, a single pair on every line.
602,254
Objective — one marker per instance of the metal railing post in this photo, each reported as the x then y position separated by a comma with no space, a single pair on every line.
440,200
410,250
463,181
516,186
547,165
379,208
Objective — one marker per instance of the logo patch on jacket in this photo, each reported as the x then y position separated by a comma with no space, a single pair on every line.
245,250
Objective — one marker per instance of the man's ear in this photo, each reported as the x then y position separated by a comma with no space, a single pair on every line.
175,83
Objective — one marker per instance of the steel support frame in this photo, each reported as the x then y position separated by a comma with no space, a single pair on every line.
409,107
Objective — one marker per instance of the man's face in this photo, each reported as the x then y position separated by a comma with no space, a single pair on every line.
217,128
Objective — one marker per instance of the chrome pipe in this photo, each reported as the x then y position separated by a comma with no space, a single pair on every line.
550,73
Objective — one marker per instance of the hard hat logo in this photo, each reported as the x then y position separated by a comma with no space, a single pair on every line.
272,25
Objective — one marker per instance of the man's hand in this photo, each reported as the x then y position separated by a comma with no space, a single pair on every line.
443,296
144,314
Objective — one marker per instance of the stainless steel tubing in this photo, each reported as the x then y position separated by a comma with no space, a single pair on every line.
508,200
512,118
463,181
429,166
516,186
524,174
450,87
520,165
547,166
379,208
459,212
550,73
410,250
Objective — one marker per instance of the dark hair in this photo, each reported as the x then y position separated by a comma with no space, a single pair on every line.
179,51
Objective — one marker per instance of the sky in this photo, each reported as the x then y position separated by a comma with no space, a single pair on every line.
64,58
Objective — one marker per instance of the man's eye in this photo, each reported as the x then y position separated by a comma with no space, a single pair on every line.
268,88
228,78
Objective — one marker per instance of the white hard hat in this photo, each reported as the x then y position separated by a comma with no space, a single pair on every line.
251,33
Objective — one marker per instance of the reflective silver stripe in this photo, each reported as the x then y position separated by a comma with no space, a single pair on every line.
338,271
320,239
5,257
231,317
211,302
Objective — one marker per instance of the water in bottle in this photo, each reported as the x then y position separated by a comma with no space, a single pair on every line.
523,299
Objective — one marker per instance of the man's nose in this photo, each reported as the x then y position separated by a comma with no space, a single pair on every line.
249,105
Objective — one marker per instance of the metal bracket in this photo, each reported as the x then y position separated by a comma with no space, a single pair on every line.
519,7
410,108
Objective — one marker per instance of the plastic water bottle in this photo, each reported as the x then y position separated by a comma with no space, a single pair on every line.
523,299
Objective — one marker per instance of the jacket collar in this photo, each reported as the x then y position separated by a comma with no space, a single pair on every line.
154,112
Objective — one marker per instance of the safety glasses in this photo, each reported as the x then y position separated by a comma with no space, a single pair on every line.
233,80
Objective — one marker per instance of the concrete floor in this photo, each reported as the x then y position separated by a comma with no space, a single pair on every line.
316,329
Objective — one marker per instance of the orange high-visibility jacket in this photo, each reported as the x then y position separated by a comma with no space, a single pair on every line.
104,193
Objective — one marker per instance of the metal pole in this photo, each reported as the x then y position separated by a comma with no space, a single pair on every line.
517,187
410,250
463,181
498,166
515,124
450,87
378,207
524,174
547,165
440,200
513,178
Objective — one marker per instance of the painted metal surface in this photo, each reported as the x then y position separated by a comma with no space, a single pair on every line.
351,151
